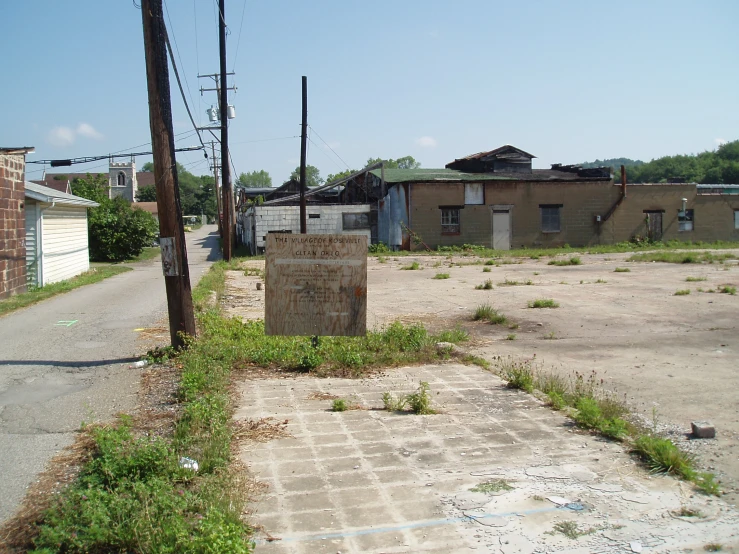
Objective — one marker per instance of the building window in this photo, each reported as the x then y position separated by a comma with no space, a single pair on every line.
736,219
685,220
353,222
314,216
550,218
474,193
121,179
450,221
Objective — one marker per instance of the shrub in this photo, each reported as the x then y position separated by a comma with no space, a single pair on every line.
339,405
118,232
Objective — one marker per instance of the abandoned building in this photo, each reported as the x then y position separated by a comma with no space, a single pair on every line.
495,199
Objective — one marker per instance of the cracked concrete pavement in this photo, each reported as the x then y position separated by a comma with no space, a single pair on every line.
370,481
55,376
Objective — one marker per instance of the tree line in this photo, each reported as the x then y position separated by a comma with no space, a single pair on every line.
720,166
262,179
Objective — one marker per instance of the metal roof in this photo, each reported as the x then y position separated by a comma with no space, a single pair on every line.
17,149
51,196
498,152
452,175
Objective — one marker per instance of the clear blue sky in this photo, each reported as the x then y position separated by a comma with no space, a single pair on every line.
567,81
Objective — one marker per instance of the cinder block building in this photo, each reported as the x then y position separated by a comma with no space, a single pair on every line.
12,221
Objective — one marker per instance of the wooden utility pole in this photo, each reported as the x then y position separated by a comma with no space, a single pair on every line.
303,147
171,229
218,190
228,224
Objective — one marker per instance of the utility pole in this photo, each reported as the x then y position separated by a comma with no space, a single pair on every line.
218,190
228,224
303,147
171,229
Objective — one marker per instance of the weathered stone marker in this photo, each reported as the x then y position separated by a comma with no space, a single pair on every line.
316,285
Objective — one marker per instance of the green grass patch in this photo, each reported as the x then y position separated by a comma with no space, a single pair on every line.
511,336
681,257
339,405
486,270
492,486
512,283
570,261
412,267
487,285
727,289
441,276
543,303
146,254
485,312
682,292
97,273
695,279
622,270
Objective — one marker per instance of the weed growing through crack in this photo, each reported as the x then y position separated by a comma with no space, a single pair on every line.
441,276
571,530
492,485
339,405
713,547
681,257
550,336
682,292
728,289
514,326
485,312
487,285
622,270
512,336
695,279
543,303
601,281
419,402
536,273
486,270
412,267
570,261
382,259
520,375
684,511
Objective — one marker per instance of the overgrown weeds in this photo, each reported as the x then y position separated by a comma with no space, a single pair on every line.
485,312
695,279
681,257
543,303
487,285
570,261
728,289
441,276
412,267
622,270
419,402
492,486
682,292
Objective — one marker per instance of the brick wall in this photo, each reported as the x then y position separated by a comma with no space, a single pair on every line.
581,202
12,225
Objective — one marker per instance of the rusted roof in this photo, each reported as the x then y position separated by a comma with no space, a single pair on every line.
451,175
501,152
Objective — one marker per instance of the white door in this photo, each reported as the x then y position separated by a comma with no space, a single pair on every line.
501,229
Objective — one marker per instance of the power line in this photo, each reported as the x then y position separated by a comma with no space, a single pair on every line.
174,37
88,159
329,147
324,153
266,140
179,84
238,41
197,53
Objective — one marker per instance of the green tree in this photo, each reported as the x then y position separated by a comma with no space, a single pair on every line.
148,166
254,179
406,162
197,194
116,231
336,176
312,176
147,194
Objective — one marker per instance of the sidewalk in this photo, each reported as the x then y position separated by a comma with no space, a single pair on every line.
371,481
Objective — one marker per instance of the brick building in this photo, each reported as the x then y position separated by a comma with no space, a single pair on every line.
497,200
12,221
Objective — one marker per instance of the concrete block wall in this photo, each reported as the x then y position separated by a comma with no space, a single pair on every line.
12,225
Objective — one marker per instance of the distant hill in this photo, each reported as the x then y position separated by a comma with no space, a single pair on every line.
720,166
613,162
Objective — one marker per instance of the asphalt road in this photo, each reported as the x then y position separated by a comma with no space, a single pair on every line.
67,361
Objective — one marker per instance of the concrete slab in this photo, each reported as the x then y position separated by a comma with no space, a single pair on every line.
371,481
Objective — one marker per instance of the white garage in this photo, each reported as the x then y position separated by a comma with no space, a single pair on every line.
56,235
